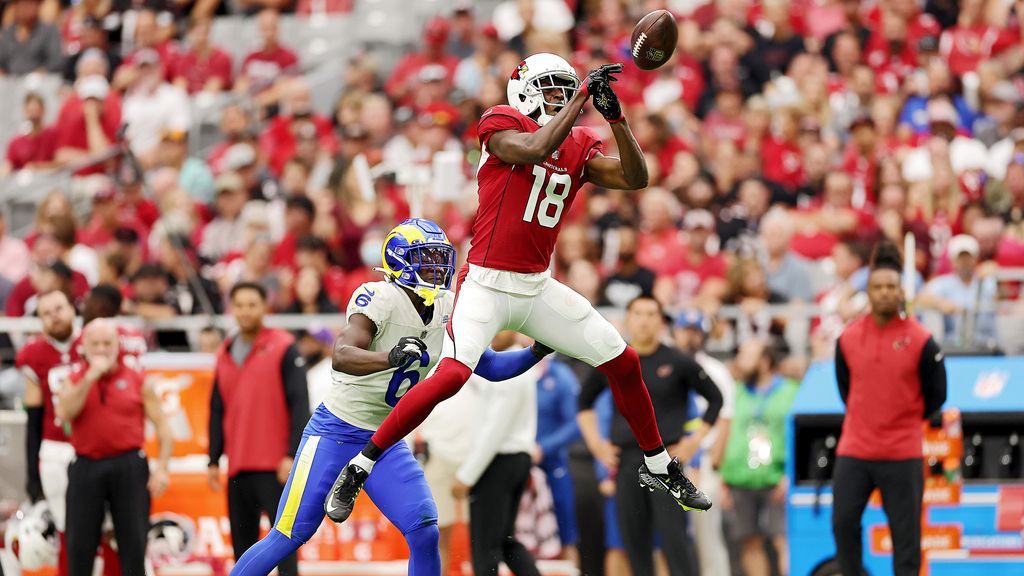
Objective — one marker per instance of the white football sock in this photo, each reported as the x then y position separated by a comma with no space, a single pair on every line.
363,462
658,463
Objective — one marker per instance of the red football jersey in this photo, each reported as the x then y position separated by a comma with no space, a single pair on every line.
521,206
131,345
47,365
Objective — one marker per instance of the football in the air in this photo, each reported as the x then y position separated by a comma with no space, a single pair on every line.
654,39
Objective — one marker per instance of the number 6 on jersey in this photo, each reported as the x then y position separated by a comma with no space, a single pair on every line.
554,195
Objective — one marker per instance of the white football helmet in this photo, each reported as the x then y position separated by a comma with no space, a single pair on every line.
535,74
32,536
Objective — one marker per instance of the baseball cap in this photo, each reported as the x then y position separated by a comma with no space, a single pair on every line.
963,243
699,218
239,156
92,87
433,73
228,181
436,31
692,318
942,112
146,57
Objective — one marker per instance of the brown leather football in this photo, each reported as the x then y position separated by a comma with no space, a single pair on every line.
654,39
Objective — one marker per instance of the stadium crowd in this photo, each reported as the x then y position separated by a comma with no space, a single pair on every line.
783,140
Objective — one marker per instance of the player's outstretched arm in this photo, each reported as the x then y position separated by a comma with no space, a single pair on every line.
351,354
514,147
626,173
498,366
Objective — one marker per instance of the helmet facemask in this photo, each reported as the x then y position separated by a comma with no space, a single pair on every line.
545,85
429,269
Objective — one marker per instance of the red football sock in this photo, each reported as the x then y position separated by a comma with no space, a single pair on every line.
417,403
111,561
62,555
632,399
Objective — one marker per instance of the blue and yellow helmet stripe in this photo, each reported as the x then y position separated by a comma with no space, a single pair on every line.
415,246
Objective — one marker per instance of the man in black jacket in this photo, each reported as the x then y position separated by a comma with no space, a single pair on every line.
670,376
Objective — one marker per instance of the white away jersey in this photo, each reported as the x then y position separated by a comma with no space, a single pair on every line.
364,401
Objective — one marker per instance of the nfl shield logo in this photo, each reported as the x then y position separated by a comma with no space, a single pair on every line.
555,155
121,385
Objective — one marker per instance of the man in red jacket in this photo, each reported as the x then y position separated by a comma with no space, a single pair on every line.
891,376
258,408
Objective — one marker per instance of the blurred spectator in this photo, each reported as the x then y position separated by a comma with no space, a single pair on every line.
255,266
151,297
91,36
700,280
194,175
234,128
272,61
496,469
146,29
310,296
463,30
13,253
973,38
630,279
788,274
192,293
298,221
754,465
402,82
842,301
89,119
966,297
105,219
35,147
738,222
152,106
80,257
28,45
224,234
557,391
748,288
781,157
295,121
690,334
44,276
660,247
480,63
777,43
201,66
311,251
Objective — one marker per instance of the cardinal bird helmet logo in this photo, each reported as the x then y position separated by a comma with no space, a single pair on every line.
520,70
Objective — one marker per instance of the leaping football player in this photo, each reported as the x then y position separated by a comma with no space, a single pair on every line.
393,338
533,163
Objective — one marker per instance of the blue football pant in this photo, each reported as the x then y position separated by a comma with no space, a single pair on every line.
397,487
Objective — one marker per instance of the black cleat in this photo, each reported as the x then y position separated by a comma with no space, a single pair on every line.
342,497
676,485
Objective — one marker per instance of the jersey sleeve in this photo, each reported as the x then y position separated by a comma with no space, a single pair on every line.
370,300
591,143
497,119
23,362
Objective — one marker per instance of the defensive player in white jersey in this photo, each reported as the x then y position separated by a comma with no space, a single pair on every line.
393,338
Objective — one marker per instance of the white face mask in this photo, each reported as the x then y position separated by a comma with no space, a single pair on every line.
369,251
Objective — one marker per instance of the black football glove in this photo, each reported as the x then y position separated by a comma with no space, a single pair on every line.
408,349
540,350
603,74
607,103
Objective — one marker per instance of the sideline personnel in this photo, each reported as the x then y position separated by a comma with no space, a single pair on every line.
891,376
107,403
258,408
670,376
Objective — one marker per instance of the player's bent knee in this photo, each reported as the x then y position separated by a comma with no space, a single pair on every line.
425,539
450,376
